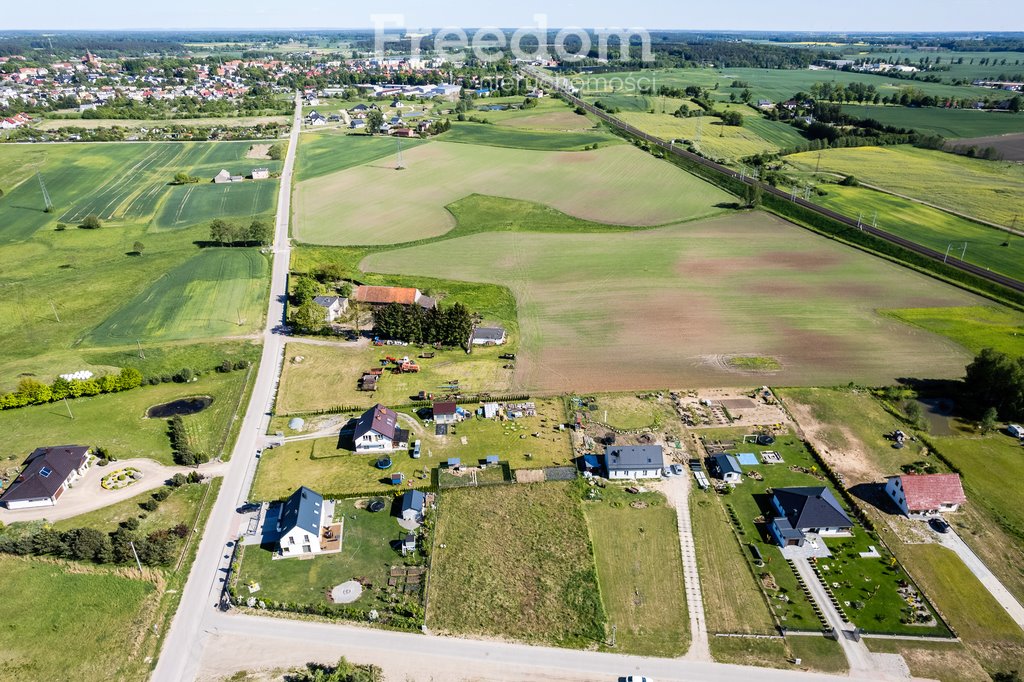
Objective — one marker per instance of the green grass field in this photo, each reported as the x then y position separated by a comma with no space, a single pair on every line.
328,152
974,328
181,506
988,247
217,292
640,573
516,562
706,133
949,123
989,190
130,184
732,599
117,421
608,319
620,185
97,611
535,140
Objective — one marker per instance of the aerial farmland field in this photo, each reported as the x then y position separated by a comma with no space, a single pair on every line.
950,123
327,152
618,184
664,307
129,183
521,138
989,190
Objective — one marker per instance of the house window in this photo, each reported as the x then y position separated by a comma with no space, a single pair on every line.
306,549
291,541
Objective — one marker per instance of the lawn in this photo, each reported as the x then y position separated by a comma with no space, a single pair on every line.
705,132
340,368
620,185
628,412
181,506
971,610
974,328
640,573
217,292
732,599
815,653
989,190
117,421
522,138
322,153
949,123
366,553
609,319
514,561
100,611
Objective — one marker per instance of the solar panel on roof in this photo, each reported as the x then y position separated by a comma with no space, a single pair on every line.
45,472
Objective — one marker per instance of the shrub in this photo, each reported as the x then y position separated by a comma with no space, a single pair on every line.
161,494
91,222
150,505
177,480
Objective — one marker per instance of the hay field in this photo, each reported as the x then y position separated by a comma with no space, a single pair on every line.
217,292
717,140
618,184
561,119
990,190
658,308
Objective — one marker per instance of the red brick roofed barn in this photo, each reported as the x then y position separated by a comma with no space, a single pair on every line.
375,295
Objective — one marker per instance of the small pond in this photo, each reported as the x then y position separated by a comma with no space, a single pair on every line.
182,406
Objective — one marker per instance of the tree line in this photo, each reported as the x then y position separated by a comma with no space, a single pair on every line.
228,233
445,326
995,381
34,392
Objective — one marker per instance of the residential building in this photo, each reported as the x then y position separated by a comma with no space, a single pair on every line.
488,336
333,306
926,494
633,461
412,505
803,510
300,523
445,413
260,173
377,430
47,474
726,468
373,295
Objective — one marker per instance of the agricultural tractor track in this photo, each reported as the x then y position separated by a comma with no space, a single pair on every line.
950,260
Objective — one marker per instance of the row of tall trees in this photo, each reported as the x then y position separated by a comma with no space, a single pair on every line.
445,326
34,392
227,233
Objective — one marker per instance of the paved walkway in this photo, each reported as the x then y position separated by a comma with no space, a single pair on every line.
88,495
677,490
1002,595
862,662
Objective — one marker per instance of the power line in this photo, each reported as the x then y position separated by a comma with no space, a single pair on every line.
46,195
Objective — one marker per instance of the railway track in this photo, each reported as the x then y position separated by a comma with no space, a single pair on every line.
964,266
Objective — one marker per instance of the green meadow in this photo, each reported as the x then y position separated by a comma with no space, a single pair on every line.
951,123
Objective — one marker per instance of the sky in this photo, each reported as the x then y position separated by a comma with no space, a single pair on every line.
764,15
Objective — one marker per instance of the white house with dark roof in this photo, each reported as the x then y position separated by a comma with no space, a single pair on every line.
47,474
926,494
488,336
802,510
633,461
301,523
377,430
333,306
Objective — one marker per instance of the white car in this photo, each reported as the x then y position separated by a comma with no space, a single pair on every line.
416,450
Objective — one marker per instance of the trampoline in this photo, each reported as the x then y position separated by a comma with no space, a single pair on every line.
376,506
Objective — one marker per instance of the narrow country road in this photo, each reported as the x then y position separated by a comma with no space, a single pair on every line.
183,646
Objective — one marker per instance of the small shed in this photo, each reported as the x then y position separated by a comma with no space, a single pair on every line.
397,478
296,423
408,544
726,468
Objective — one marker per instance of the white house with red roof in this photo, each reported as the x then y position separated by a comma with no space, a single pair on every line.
926,494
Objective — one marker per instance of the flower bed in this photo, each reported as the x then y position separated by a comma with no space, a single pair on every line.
122,478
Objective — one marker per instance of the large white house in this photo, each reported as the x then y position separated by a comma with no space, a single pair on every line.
377,431
47,474
333,306
301,523
926,494
633,461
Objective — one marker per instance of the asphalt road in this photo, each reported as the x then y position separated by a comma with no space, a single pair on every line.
253,642
183,646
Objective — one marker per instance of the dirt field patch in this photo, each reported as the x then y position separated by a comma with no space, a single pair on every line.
258,151
619,185
624,314
554,120
1010,147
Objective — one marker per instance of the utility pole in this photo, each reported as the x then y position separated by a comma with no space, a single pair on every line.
874,220
54,311
860,216
137,562
818,166
964,254
142,353
70,413
399,165
947,253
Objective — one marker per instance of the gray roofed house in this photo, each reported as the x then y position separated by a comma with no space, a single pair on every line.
633,461
802,510
47,474
300,522
377,430
727,468
488,336
412,504
332,305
